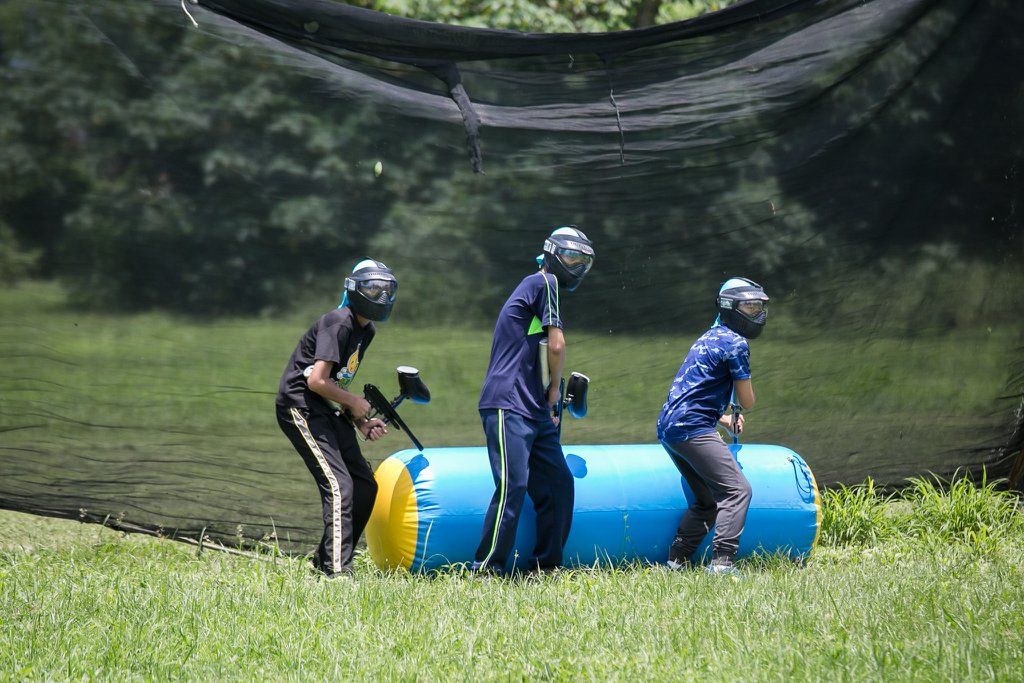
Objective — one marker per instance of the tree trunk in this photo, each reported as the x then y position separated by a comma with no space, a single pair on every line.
646,13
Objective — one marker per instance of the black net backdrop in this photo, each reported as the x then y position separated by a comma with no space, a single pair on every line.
861,159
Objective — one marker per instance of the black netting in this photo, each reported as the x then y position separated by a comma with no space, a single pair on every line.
189,198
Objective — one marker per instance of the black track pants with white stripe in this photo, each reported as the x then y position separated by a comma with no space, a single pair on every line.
343,478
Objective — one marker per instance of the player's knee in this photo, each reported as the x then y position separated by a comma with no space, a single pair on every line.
742,493
705,512
515,491
366,496
564,480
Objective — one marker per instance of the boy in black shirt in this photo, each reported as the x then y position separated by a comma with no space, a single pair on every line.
318,373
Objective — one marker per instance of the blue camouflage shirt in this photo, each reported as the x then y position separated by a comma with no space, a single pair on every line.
513,379
702,389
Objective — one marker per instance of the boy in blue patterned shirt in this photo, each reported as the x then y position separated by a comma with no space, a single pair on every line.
715,373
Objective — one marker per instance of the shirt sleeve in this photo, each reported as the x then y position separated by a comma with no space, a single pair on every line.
546,302
330,338
739,361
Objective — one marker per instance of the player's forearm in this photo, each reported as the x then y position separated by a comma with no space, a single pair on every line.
556,354
556,363
332,392
743,393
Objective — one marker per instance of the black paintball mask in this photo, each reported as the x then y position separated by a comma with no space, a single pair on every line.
568,255
743,306
370,290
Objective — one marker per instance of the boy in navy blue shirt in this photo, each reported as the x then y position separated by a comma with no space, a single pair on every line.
715,373
523,442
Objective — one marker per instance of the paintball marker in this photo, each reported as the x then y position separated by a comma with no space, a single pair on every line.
574,397
411,387
574,394
734,430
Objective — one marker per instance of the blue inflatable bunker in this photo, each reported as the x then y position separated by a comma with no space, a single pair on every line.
431,504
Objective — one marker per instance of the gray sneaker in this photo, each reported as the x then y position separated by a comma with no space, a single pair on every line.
722,566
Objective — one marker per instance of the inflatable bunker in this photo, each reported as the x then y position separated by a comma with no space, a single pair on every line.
431,504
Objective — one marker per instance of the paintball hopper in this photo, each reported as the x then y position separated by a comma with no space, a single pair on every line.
575,397
411,387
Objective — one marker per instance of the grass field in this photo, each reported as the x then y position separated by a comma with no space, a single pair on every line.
924,588
165,421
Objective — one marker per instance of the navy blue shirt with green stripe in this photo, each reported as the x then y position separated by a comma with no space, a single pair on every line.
513,380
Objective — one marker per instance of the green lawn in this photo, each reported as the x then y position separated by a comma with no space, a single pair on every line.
927,588
158,420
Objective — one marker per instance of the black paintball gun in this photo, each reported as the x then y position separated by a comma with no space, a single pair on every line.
574,397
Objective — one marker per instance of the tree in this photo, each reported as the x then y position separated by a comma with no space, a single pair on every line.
549,16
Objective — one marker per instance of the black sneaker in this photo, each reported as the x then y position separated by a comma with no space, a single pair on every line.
677,559
344,575
538,573
484,571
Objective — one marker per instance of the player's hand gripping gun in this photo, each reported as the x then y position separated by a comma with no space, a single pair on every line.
411,387
574,394
574,397
734,429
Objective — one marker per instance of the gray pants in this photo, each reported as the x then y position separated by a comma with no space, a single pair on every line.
722,496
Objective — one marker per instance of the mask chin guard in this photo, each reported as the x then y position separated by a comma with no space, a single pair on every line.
576,395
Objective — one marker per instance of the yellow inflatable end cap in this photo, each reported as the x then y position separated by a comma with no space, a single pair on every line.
394,523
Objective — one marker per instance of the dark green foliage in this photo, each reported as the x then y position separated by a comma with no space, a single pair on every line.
199,186
152,166
16,262
559,16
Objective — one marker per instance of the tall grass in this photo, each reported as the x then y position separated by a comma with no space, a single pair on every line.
906,594
931,509
855,515
975,515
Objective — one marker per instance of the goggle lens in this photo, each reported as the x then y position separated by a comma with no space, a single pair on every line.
372,289
752,308
575,259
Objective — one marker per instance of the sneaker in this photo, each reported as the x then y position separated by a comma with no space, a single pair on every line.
345,575
538,573
484,572
678,565
722,566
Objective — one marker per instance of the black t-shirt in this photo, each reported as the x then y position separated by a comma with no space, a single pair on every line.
336,337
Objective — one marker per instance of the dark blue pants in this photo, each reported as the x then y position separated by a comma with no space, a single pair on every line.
526,457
